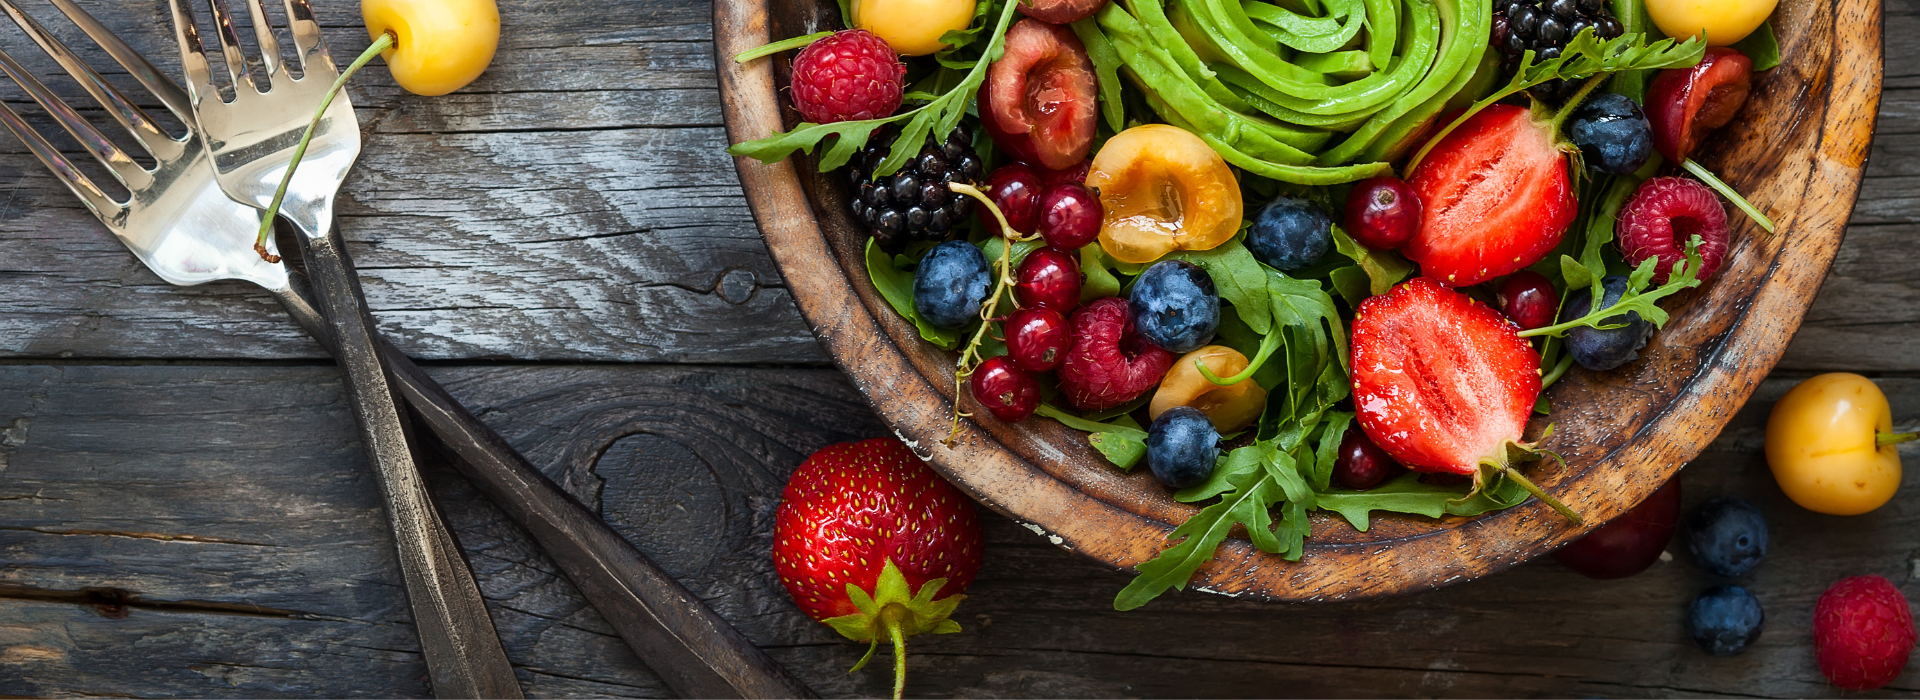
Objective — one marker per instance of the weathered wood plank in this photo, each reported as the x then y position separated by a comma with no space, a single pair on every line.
278,579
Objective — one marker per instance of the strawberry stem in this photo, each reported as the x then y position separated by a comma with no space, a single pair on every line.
1551,502
1885,439
891,618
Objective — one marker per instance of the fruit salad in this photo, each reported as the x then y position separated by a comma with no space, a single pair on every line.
1290,255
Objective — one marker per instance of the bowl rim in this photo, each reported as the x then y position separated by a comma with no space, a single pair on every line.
1832,93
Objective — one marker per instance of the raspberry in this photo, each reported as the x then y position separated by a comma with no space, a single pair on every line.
1862,632
849,76
1109,363
1663,215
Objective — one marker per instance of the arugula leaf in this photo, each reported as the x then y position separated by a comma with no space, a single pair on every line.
1408,494
1585,56
1352,283
896,286
1384,268
1761,46
1252,494
1123,445
1331,433
942,113
1636,299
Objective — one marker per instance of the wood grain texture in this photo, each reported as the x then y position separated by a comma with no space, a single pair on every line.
573,204
1798,152
142,562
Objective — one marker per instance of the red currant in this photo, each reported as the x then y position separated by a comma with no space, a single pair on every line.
1075,174
1069,215
1048,279
1528,299
1008,392
1383,213
1015,189
1363,465
1038,339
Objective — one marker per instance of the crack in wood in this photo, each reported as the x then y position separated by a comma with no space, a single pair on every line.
118,603
160,536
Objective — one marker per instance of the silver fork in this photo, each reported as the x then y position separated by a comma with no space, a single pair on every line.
179,222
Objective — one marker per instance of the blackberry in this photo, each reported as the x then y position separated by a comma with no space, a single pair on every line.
914,203
1545,27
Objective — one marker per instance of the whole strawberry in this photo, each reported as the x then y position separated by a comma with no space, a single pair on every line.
849,76
870,541
1862,633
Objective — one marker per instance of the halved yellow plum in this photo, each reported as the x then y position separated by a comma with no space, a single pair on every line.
1230,407
1162,189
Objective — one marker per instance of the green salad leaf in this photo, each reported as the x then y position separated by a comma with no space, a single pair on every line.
1761,46
1637,299
1121,440
1384,268
1407,494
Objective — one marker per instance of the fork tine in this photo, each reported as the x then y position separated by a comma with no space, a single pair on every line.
193,53
149,77
306,37
230,46
263,35
135,120
102,206
128,172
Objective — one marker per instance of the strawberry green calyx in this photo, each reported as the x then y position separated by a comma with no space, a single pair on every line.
895,612
1500,466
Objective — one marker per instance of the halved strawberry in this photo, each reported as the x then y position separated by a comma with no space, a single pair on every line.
1497,197
1444,383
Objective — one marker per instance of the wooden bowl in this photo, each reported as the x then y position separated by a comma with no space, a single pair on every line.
1797,154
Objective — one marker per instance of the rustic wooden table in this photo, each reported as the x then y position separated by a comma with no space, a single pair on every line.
185,508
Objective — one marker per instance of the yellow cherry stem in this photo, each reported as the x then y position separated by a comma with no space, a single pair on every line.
1885,439
273,209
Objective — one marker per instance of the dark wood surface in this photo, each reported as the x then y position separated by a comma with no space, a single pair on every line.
185,511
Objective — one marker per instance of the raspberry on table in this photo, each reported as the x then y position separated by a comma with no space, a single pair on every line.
850,76
1862,633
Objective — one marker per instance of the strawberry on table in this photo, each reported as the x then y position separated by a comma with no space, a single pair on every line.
1444,383
1496,197
870,541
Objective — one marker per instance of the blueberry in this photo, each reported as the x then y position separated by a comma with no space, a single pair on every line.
1612,133
1182,447
950,284
1723,620
1728,536
1598,349
1174,306
1290,234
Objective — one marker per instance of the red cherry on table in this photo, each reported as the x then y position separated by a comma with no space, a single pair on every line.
1038,339
1528,299
1015,189
1008,392
1630,543
1048,279
1070,215
1363,465
1383,212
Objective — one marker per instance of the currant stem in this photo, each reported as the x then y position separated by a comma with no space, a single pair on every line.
1885,439
1551,502
970,355
384,42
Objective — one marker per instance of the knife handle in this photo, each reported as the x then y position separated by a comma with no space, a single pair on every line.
685,642
462,649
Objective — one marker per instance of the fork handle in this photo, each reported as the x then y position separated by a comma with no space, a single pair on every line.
685,642
463,652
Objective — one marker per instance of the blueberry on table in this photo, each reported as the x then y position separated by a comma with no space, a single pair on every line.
1727,536
1724,620
1612,133
1604,349
1182,447
1174,305
1290,234
951,284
